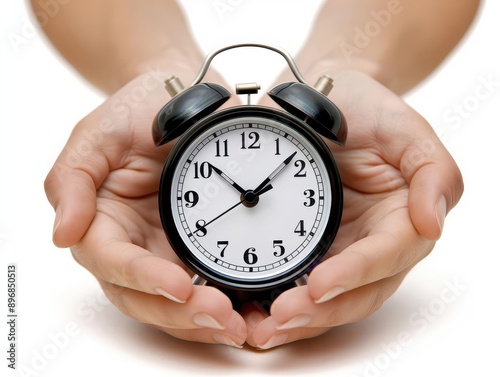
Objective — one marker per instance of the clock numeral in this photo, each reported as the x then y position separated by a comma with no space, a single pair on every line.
299,229
302,167
277,141
191,198
309,195
203,170
249,256
279,244
253,138
221,151
201,231
222,245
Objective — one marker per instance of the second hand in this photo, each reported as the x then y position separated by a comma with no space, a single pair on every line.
202,228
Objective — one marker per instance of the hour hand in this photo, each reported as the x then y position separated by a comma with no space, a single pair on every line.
228,180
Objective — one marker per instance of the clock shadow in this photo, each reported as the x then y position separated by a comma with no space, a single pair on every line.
341,347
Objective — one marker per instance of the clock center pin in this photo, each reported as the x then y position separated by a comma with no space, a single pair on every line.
250,199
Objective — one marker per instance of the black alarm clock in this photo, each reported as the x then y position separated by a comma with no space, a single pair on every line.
250,197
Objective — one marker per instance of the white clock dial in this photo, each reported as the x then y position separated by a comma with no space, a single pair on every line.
251,198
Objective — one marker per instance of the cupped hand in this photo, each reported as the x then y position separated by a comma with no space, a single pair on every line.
104,189
399,183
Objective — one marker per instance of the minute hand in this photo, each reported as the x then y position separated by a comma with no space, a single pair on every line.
274,173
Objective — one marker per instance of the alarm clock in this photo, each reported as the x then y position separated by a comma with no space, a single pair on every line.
250,197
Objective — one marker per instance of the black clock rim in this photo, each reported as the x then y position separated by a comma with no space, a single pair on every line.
174,237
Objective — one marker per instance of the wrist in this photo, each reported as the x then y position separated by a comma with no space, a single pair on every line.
330,66
170,61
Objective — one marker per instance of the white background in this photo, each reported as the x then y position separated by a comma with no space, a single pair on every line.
417,332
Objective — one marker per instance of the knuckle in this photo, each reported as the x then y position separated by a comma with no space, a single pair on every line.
81,257
337,317
412,254
141,306
363,266
118,297
406,256
374,303
86,259
458,186
133,268
381,292
362,302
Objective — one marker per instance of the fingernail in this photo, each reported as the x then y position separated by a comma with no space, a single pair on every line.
206,320
295,322
57,220
440,209
330,294
274,341
226,340
171,297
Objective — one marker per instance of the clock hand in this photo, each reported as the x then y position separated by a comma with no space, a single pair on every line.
200,227
275,173
227,179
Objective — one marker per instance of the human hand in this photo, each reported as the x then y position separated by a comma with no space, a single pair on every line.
399,183
104,189
116,178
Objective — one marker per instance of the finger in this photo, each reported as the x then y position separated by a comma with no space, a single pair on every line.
233,335
263,333
71,186
298,309
107,252
433,177
102,142
295,315
434,190
253,315
392,246
267,335
435,181
62,186
206,317
407,141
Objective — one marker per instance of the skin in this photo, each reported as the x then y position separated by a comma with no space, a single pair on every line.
399,180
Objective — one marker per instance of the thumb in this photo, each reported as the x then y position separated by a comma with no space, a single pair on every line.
71,187
435,185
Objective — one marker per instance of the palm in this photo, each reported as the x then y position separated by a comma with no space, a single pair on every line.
374,185
127,198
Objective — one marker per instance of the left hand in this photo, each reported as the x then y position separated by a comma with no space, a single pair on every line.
399,183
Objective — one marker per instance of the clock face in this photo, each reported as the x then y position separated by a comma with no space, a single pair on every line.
250,198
